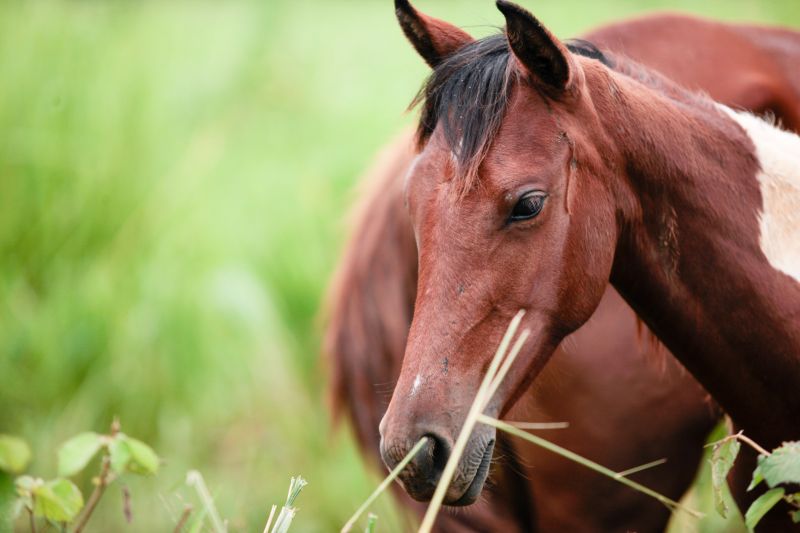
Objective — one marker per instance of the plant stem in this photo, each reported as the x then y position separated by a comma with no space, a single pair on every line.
269,519
33,520
97,493
671,504
753,444
501,373
195,479
743,438
540,425
126,504
639,468
385,483
183,519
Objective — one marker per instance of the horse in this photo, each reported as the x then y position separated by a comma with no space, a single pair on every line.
366,334
370,307
545,174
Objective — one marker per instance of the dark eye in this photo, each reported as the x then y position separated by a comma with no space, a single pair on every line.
528,206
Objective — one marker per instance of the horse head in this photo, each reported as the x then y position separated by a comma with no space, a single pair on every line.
510,211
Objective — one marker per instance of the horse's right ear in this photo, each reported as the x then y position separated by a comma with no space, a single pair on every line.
434,39
537,50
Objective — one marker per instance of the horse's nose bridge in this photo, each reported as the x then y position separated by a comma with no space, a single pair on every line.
420,405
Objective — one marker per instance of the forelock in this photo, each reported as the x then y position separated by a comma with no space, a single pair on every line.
467,95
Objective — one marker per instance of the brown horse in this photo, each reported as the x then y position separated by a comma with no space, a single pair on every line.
367,333
543,175
604,381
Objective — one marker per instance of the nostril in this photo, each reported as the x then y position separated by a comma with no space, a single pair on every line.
429,461
423,471
439,454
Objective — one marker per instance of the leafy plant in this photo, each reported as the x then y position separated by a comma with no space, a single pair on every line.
59,501
722,459
778,468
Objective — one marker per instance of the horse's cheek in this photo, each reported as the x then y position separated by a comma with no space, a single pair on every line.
587,264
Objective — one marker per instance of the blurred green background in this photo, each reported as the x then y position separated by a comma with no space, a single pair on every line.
173,179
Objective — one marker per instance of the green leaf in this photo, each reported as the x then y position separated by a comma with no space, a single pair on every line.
143,459
58,500
721,463
783,466
120,455
758,477
795,516
75,454
761,506
132,455
14,454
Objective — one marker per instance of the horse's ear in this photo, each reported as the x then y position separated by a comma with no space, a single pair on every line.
539,53
434,39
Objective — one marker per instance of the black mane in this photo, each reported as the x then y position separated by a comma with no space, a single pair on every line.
585,48
467,94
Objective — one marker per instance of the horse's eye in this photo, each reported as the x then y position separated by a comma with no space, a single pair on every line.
528,206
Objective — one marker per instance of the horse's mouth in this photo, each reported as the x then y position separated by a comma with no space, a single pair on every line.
474,490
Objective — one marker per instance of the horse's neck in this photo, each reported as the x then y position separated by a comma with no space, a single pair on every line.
710,256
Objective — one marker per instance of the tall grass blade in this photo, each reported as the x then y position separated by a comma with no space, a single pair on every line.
372,519
478,405
195,479
288,511
269,519
540,425
385,483
672,505
643,467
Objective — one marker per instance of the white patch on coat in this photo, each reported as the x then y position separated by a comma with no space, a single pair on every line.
415,386
778,153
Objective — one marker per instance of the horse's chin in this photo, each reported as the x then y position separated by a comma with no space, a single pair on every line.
472,493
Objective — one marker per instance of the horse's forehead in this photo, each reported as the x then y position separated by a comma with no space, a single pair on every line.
529,138
437,160
530,124
525,149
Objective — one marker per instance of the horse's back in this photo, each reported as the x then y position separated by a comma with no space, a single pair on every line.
783,47
747,66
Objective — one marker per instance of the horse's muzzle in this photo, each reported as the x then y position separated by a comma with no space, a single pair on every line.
423,472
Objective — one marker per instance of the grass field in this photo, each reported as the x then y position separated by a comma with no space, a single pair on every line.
173,177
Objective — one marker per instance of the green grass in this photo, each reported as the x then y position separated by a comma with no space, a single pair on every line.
173,177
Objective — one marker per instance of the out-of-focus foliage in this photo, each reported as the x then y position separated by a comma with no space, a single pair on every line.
172,180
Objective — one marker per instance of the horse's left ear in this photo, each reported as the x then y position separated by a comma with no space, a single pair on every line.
434,39
539,53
